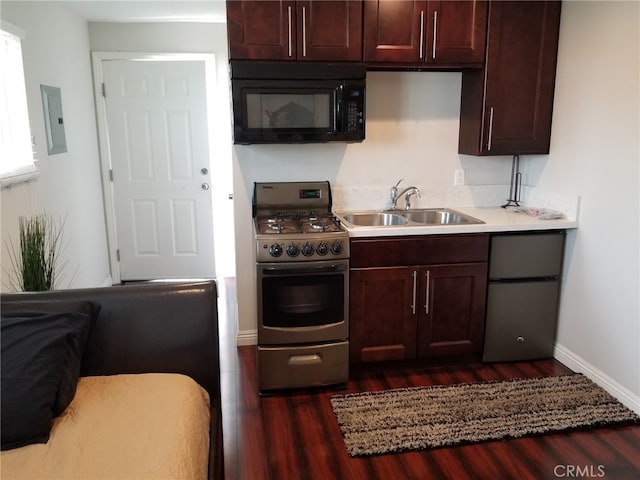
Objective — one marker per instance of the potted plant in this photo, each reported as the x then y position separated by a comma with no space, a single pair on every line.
36,261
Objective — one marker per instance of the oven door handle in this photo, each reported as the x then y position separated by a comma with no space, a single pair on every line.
303,270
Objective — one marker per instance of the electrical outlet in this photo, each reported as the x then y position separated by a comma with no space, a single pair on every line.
458,178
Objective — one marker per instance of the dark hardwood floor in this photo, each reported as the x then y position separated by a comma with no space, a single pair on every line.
295,435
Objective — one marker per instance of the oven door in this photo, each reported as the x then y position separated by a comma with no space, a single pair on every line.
301,303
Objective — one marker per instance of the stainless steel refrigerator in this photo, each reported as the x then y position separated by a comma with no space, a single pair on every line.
523,294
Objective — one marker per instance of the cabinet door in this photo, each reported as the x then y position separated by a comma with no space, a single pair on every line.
456,32
514,115
261,30
452,305
394,31
330,30
425,33
381,314
315,30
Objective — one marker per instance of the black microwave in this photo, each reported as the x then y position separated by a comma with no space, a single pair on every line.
302,102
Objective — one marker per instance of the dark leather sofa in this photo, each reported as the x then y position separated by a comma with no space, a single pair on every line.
151,327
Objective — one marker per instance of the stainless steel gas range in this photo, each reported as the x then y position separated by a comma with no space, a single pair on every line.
302,266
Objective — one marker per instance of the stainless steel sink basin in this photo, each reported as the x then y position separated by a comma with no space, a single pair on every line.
417,217
440,216
375,219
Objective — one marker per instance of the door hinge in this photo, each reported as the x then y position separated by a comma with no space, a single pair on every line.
104,90
118,254
111,175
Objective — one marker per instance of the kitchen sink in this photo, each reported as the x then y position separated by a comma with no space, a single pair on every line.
375,219
438,216
416,217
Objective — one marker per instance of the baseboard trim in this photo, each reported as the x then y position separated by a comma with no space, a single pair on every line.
580,365
247,337
107,282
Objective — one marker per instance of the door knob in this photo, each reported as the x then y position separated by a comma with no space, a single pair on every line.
204,186
204,171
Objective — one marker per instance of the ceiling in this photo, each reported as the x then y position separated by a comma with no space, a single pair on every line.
129,11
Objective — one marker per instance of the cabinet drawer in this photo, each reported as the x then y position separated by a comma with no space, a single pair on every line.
303,366
418,250
526,255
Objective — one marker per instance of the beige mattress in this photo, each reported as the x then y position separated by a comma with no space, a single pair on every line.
148,426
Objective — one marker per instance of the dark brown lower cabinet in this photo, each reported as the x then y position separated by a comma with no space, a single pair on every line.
451,320
401,312
382,325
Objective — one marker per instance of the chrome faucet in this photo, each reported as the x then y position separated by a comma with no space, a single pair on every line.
394,195
407,198
407,192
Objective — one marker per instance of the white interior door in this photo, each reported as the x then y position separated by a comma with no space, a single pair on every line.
156,114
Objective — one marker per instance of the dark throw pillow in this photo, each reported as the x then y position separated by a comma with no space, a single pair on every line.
71,372
41,358
26,307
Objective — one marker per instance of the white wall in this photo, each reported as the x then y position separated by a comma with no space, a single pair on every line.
159,37
595,153
56,53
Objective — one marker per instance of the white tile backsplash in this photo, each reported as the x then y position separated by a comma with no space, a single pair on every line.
560,202
377,198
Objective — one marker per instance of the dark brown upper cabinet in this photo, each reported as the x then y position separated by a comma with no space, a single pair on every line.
314,30
423,33
506,108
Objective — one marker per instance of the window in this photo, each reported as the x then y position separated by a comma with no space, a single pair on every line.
17,162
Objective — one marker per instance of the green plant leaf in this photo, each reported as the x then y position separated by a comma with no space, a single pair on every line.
35,261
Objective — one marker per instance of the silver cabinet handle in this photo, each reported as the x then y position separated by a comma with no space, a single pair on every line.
204,171
489,139
289,27
421,34
415,286
426,296
301,360
435,34
204,186
304,31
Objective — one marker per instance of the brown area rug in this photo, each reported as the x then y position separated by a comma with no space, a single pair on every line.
426,417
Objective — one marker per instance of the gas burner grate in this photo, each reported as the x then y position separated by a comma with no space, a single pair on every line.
300,222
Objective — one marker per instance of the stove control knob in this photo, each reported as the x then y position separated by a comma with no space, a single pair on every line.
322,249
307,249
336,248
293,250
275,250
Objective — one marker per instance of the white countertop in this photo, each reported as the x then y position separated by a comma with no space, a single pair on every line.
496,219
